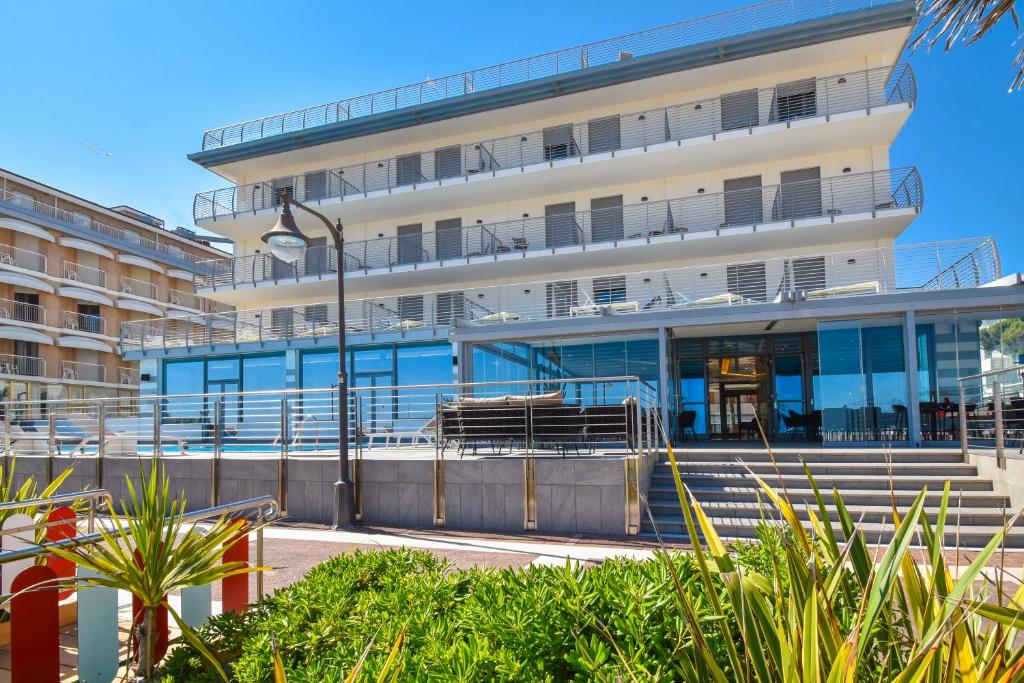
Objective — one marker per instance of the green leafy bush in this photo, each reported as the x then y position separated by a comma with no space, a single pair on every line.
536,623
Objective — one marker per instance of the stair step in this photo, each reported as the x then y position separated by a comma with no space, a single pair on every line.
845,482
818,469
804,495
964,516
897,455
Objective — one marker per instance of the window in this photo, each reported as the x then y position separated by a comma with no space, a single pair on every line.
609,290
27,305
799,194
808,273
316,256
559,143
285,185
183,377
317,315
316,185
604,135
561,296
410,244
448,238
451,306
22,199
795,100
448,162
743,201
606,220
410,308
89,319
747,280
560,226
739,110
408,169
80,219
281,323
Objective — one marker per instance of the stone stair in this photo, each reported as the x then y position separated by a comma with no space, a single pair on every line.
720,480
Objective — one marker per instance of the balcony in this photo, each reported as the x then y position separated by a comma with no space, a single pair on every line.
735,116
19,311
82,372
826,276
840,200
22,258
77,221
713,31
135,287
128,376
176,297
82,322
22,366
85,274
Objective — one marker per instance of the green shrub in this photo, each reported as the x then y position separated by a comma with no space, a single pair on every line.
536,623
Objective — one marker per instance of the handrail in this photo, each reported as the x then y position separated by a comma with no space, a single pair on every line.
851,91
690,32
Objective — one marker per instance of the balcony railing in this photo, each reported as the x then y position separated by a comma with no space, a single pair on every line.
81,221
800,278
703,30
128,376
83,322
194,301
22,258
845,195
130,285
82,372
22,311
638,130
24,366
85,274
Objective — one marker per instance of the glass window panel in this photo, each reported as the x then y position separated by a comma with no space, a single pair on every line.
183,377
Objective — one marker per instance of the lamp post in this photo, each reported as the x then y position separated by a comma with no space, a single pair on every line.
288,243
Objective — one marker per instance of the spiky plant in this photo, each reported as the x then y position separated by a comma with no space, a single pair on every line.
172,555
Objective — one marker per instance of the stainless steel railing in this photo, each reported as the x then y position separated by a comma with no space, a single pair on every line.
22,258
989,415
800,277
845,195
22,311
86,274
823,96
703,30
26,366
82,372
83,322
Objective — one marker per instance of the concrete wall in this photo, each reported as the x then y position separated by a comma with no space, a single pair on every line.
573,495
1008,480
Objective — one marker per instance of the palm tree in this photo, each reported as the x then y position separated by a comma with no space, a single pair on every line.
966,21
150,553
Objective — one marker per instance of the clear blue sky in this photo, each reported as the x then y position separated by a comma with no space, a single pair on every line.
143,80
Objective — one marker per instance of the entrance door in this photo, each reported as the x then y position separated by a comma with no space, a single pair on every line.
738,397
375,406
231,414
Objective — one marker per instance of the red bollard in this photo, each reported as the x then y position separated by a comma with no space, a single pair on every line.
64,569
35,626
235,589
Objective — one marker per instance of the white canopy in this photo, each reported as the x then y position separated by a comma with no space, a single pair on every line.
84,245
27,228
24,334
20,280
131,259
140,306
83,294
87,343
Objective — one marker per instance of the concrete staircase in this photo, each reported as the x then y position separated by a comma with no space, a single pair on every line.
720,480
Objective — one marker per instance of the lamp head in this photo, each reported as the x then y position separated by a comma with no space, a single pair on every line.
285,240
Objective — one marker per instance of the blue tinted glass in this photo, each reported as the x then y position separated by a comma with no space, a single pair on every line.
374,359
183,377
319,369
218,369
424,364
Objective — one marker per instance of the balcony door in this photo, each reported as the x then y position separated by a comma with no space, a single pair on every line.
606,224
410,244
448,162
739,110
448,238
560,227
604,135
27,305
316,256
408,170
559,143
795,100
743,201
800,194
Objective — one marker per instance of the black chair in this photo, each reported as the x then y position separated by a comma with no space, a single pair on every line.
610,423
560,426
900,427
687,420
793,424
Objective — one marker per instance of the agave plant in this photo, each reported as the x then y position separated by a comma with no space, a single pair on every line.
850,612
150,552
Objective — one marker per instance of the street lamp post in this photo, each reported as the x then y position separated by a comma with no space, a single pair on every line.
288,243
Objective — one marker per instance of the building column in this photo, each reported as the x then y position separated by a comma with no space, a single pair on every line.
910,360
664,385
461,370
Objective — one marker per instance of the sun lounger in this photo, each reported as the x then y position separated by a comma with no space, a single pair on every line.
845,290
499,317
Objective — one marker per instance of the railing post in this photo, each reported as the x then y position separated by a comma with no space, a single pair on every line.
101,443
357,465
997,416
964,450
218,422
8,448
259,551
157,448
439,497
51,442
282,462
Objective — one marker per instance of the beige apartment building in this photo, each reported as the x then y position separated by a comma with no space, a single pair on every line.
71,273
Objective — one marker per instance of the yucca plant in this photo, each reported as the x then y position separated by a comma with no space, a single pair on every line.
850,612
29,490
150,552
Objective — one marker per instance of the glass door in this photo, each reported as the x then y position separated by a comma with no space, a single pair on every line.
788,385
738,397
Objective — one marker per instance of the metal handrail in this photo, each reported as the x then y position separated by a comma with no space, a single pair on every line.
866,192
853,91
16,257
690,32
11,309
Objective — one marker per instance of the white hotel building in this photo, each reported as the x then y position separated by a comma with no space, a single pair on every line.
709,206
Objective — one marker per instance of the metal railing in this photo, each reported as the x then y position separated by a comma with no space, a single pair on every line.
990,413
24,366
130,285
128,376
82,372
845,195
692,32
81,221
22,311
799,277
194,301
85,274
861,90
83,322
22,258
